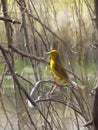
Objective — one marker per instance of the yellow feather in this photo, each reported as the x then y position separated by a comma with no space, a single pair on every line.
57,67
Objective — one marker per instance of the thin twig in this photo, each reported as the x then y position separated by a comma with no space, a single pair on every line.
10,20
62,102
20,86
40,59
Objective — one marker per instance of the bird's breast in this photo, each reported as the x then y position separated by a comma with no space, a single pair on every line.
52,64
54,68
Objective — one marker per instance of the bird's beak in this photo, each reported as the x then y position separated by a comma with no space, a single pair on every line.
48,53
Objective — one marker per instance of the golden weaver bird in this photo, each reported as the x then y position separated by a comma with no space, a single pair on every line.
57,67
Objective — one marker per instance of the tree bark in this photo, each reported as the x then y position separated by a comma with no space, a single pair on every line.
95,107
95,111
96,12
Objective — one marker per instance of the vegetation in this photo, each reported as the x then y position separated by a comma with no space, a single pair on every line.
30,99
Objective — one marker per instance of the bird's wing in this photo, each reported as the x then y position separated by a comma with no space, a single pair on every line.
61,71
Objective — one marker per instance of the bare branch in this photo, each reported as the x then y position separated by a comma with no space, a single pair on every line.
20,86
9,20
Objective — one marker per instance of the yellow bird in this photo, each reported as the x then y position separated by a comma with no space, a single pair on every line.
57,67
